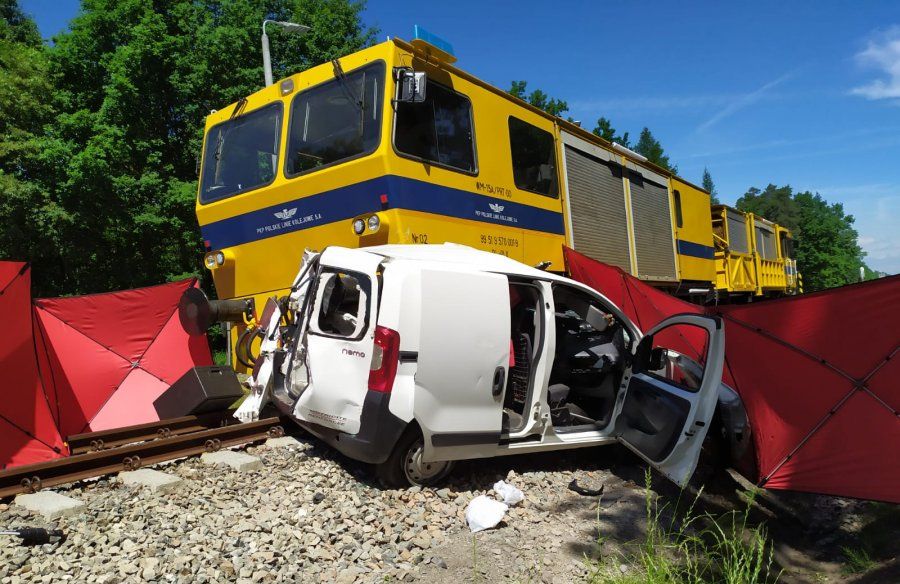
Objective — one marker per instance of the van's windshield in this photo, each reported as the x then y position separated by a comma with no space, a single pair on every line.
337,120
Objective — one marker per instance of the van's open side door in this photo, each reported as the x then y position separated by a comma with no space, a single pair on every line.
666,405
462,363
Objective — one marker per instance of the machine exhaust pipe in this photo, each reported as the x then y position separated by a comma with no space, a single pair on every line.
197,312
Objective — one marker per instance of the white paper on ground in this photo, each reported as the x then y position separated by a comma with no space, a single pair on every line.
510,494
484,513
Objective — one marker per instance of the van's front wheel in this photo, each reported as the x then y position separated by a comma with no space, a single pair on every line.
405,467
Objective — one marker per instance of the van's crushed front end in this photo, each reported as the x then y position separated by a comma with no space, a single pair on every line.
324,360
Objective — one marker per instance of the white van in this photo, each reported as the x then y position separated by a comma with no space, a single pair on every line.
413,356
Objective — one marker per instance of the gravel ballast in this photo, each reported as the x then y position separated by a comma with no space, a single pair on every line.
311,515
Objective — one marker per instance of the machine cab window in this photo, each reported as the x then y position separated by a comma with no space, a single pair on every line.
437,129
336,121
533,158
241,154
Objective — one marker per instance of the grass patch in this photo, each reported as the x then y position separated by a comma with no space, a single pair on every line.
857,561
691,548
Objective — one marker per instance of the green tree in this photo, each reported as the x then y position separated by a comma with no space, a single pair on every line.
135,80
16,25
539,99
774,203
828,253
27,104
710,187
650,147
605,130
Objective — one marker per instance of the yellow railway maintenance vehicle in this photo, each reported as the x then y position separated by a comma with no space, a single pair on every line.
754,257
394,144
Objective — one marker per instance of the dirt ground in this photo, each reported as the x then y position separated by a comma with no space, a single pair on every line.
554,539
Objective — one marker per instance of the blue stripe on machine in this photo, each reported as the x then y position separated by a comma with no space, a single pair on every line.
357,199
697,250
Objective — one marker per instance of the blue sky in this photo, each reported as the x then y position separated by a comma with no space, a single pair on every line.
805,93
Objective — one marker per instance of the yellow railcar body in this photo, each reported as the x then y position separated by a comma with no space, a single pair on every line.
262,252
753,255
693,218
259,231
770,266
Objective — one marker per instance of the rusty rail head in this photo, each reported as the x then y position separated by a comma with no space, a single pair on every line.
33,477
93,441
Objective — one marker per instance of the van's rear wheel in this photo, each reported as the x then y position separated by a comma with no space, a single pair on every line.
405,467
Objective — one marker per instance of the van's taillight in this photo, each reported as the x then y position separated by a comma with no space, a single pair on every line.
385,357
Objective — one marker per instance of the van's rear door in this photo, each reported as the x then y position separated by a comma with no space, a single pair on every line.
462,363
666,408
341,338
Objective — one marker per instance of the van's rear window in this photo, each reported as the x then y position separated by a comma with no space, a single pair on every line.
241,154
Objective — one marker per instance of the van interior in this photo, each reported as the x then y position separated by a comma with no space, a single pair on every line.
588,364
590,359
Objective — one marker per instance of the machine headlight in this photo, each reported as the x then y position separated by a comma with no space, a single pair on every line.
359,226
213,260
374,223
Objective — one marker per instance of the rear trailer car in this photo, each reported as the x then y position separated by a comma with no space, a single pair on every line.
412,357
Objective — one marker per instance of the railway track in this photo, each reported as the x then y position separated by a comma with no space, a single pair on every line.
110,451
94,441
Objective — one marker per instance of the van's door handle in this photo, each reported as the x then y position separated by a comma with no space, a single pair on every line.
499,378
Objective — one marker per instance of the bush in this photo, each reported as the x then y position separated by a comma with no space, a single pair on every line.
692,548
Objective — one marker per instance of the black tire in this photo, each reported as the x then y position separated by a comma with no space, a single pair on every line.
395,473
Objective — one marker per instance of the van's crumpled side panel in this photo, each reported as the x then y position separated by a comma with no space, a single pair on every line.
341,407
339,365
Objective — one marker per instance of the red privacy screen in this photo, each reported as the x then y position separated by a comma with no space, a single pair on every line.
28,430
110,355
818,374
85,363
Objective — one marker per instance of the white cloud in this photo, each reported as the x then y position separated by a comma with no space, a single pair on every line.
882,52
875,208
741,102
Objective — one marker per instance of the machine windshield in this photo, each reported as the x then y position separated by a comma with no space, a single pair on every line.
241,154
337,120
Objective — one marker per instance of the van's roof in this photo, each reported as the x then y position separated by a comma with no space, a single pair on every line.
460,254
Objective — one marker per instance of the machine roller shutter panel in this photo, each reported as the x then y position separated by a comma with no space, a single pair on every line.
597,203
737,232
652,217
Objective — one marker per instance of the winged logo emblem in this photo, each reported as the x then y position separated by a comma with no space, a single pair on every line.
496,207
286,214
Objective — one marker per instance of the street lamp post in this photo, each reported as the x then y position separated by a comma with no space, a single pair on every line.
290,27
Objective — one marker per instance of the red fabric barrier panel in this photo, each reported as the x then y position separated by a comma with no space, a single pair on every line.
28,431
818,375
108,356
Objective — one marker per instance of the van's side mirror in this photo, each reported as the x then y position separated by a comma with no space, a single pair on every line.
658,359
411,85
648,358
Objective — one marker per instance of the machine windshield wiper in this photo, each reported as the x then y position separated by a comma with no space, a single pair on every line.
345,86
220,139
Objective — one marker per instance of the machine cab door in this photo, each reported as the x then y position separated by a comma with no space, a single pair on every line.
340,339
668,397
464,341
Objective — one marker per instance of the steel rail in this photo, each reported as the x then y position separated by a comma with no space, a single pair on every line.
93,441
33,477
